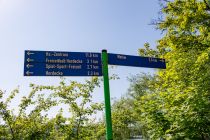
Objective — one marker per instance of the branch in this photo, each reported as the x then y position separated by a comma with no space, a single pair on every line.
9,124
207,5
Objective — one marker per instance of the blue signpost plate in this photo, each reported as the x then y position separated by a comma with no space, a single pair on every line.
53,63
136,61
50,63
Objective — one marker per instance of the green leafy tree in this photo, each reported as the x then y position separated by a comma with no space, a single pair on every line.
178,106
32,121
122,119
145,109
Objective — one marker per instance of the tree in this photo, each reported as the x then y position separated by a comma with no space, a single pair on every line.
179,108
32,121
122,119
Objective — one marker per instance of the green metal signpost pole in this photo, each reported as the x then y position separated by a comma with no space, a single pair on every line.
109,135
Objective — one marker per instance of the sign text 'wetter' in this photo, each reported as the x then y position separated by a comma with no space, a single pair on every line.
136,61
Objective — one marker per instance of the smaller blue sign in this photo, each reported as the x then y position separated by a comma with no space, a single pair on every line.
136,61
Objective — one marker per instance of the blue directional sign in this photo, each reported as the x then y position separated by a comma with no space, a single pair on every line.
136,61
51,63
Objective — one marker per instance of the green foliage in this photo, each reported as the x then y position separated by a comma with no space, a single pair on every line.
176,104
173,104
32,121
122,119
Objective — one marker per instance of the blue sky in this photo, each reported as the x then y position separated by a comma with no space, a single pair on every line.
120,26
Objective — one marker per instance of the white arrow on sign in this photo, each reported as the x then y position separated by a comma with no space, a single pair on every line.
162,60
29,53
29,73
28,66
29,60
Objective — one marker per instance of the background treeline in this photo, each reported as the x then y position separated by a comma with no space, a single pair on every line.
172,104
